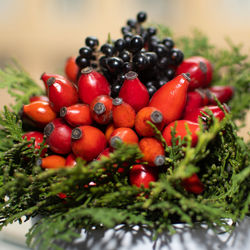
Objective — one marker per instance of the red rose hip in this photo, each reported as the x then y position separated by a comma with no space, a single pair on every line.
134,92
61,93
92,84
58,135
141,175
88,142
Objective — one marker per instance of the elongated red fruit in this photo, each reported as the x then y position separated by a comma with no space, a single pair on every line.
70,160
92,84
35,98
170,99
45,76
124,135
52,162
195,99
153,151
193,184
200,70
61,93
141,175
40,112
222,93
101,109
123,114
88,142
71,69
134,92
38,137
58,135
148,114
196,113
181,131
76,115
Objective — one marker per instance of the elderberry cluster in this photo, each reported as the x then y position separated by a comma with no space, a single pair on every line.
138,50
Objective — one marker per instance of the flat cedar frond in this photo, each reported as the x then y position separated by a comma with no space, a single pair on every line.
220,159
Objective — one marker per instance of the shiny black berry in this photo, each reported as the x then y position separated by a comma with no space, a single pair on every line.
151,90
151,31
120,44
140,61
103,61
125,30
170,73
82,62
107,49
152,58
92,42
161,50
85,52
125,55
168,42
141,17
131,23
114,64
115,88
177,56
136,44
127,66
163,62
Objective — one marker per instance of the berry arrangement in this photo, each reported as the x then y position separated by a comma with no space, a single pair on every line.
82,116
133,134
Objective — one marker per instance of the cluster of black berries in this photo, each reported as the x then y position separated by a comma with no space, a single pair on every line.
139,50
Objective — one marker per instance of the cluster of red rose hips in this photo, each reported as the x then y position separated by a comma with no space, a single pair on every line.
81,119
87,112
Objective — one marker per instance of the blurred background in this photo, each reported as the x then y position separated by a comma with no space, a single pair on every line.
41,34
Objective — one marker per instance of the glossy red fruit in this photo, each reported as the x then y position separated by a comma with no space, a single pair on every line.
88,142
58,135
76,115
148,114
40,112
193,184
101,109
200,70
124,135
38,137
123,114
170,99
92,84
39,98
195,114
181,131
61,93
109,130
195,99
153,151
134,92
106,152
70,160
222,93
71,69
52,162
141,175
45,76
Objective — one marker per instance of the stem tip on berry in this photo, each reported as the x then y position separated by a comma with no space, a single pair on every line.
76,133
159,160
117,101
99,108
48,129
156,117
